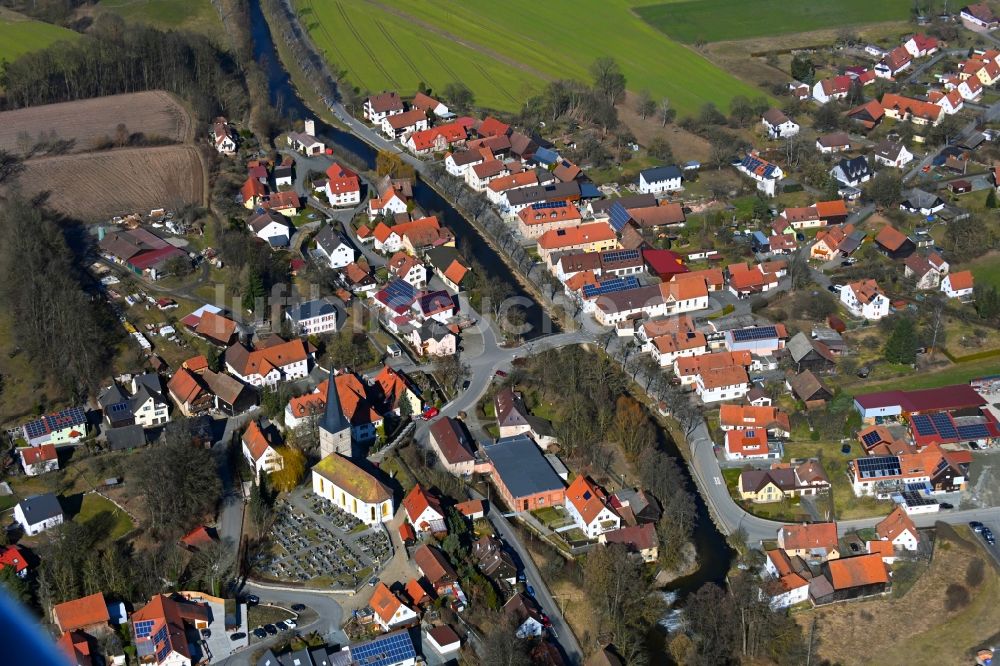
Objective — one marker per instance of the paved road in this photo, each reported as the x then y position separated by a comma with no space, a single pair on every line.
912,78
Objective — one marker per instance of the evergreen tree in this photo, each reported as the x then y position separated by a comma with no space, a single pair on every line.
253,291
991,199
901,347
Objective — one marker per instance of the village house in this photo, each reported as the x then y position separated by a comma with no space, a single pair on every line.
332,245
852,172
37,460
401,124
916,111
435,567
591,237
481,175
343,187
828,242
865,299
813,542
850,578
958,285
893,243
669,347
431,106
431,338
894,62
751,445
979,16
437,139
208,323
141,251
834,88
807,387
586,505
452,445
801,218
660,180
868,115
269,365
892,153
260,449
919,269
950,102
252,192
493,560
68,426
898,529
749,417
836,142
449,265
306,142
378,107
159,629
405,267
37,513
195,389
89,614
271,227
424,512
462,161
390,612
526,616
782,480
513,418
540,218
639,539
393,198
766,174
936,469
786,586
223,137
352,489
13,557
717,376
778,125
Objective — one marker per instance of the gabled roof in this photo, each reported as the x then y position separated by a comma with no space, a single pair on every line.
40,507
895,524
37,454
82,612
809,536
451,440
858,571
891,238
386,101
255,440
406,119
579,235
434,565
417,501
775,117
11,556
384,603
961,280
586,497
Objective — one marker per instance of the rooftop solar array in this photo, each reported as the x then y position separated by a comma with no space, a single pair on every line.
615,256
399,293
161,635
53,422
944,426
383,651
162,654
923,425
754,333
916,499
754,164
619,216
974,431
871,439
547,205
143,628
611,286
878,466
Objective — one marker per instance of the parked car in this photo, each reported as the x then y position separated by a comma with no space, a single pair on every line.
237,636
988,536
252,600
946,505
206,633
430,413
530,590
291,623
282,625
832,288
271,629
298,608
465,385
500,373
845,449
974,446
976,526
259,632
373,582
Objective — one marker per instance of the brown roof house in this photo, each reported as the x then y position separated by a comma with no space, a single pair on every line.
453,446
88,614
514,418
434,566
813,542
809,389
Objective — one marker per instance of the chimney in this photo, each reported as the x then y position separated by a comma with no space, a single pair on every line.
310,127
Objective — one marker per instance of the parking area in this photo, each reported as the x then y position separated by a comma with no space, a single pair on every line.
317,544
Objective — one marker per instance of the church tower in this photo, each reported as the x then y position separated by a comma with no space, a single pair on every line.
334,429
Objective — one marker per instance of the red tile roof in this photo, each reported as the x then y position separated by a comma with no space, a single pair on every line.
82,612
586,497
37,454
416,502
851,572
895,524
11,556
810,535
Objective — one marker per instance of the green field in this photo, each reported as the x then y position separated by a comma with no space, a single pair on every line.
506,51
19,35
112,520
719,20
986,271
195,15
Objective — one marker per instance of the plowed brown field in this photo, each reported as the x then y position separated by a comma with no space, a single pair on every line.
97,186
88,122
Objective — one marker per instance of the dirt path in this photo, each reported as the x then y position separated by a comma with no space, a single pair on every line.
478,48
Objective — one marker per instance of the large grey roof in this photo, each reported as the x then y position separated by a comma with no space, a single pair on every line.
536,193
127,437
310,309
522,467
660,173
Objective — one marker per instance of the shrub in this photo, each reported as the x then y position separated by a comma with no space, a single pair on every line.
956,596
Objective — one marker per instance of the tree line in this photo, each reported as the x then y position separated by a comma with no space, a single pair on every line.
68,332
115,58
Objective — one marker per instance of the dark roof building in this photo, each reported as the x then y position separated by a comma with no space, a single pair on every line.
523,475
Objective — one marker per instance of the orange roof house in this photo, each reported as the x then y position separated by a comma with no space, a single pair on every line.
741,444
817,541
215,328
743,417
897,527
588,500
595,236
76,646
857,571
424,511
417,593
390,611
83,613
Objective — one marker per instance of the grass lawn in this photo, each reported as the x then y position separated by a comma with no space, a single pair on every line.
505,52
845,504
195,15
93,505
986,270
20,35
698,20
258,616
959,373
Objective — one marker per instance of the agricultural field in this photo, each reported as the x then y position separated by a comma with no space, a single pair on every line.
84,123
20,35
97,186
195,15
507,51
693,21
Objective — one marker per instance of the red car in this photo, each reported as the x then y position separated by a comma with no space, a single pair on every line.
430,413
501,373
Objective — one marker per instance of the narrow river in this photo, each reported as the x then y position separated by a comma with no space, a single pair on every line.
714,554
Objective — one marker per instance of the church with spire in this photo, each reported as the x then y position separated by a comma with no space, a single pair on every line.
334,429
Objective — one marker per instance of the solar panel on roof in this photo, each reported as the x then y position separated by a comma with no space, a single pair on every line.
545,205
944,426
389,649
973,431
143,628
754,333
611,286
162,654
619,216
923,425
614,256
871,439
878,466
